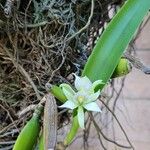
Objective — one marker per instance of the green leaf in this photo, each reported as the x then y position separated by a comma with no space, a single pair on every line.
114,40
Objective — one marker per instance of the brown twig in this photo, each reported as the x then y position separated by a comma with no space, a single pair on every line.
131,146
11,118
137,63
104,136
22,71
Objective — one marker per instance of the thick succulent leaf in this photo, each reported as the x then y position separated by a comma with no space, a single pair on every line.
111,45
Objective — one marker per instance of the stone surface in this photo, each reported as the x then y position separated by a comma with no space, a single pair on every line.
143,42
134,119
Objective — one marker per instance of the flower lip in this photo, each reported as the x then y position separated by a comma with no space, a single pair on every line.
80,99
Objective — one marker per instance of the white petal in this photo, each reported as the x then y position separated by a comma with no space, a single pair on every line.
68,104
81,117
95,85
82,83
69,93
92,107
93,97
67,87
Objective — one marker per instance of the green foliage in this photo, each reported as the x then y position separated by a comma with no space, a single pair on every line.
41,142
29,134
74,129
111,45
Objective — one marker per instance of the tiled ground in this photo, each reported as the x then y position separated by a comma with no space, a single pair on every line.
134,104
136,98
143,42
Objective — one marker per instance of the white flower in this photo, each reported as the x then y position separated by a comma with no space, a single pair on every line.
83,98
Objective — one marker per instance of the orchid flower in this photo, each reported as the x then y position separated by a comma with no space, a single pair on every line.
82,98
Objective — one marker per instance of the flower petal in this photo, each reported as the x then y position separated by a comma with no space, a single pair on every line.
68,91
82,83
67,87
81,117
92,107
69,104
93,97
96,84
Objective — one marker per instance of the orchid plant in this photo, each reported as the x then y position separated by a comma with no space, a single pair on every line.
101,63
83,97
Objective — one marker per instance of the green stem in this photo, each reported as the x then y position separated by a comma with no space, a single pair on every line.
73,131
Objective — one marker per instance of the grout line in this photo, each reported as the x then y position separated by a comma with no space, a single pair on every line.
137,98
145,49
